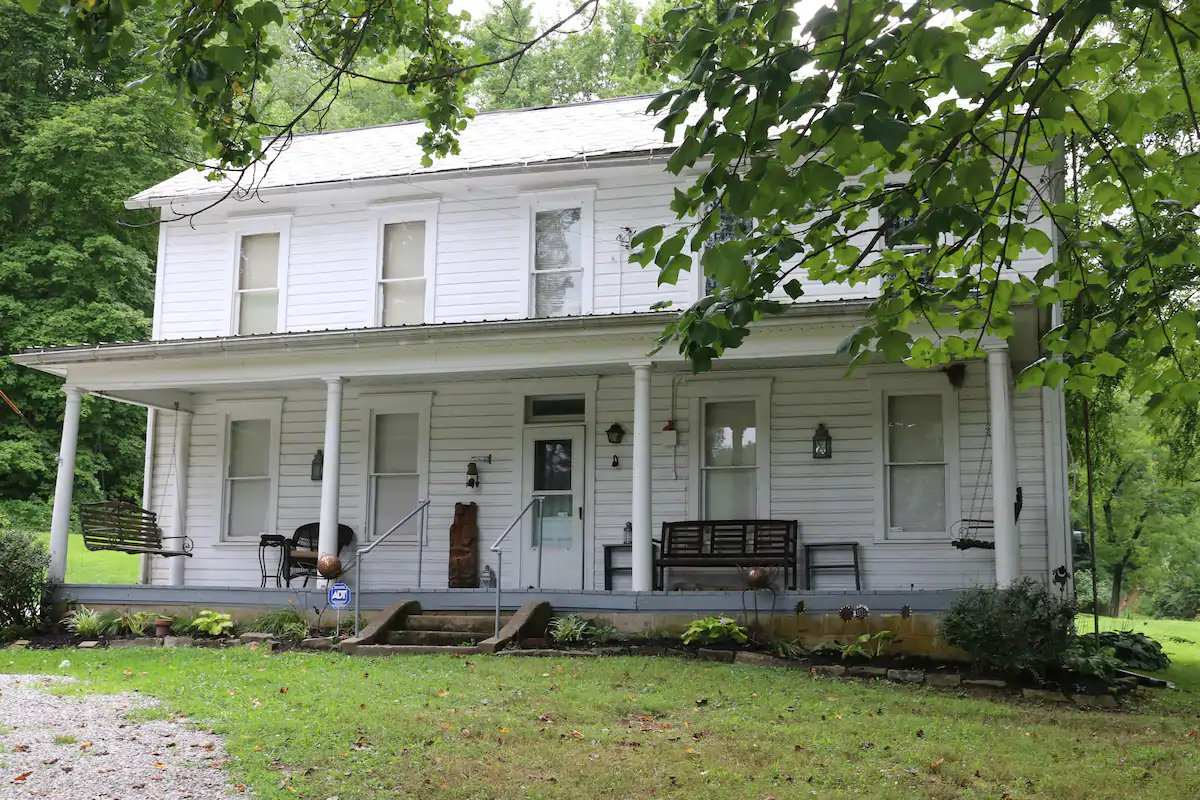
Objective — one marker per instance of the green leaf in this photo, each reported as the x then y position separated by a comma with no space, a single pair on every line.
966,75
889,132
262,14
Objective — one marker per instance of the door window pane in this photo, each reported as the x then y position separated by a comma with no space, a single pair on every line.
248,502
731,494
258,312
395,496
249,448
915,429
396,442
259,265
556,525
403,303
404,250
552,465
917,498
729,434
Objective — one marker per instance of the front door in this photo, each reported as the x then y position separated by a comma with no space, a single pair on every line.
552,547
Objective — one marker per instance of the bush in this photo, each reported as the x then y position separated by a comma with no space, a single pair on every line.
24,585
1085,659
213,623
1018,629
287,622
1133,649
572,628
715,630
1177,598
85,622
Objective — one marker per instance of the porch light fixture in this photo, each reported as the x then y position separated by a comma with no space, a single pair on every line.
318,466
472,475
822,442
615,434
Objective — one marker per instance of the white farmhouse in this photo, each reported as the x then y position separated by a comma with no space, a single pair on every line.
365,334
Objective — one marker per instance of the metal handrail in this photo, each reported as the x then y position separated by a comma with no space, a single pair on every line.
362,551
495,548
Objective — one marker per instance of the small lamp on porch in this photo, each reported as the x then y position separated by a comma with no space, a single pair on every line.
822,442
615,433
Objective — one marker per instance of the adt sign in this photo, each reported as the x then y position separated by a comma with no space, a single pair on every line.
339,596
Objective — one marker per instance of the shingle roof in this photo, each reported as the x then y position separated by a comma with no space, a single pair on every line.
496,139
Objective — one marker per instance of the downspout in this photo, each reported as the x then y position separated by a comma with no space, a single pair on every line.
145,575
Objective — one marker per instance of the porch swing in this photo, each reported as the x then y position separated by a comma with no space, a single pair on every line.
126,528
964,533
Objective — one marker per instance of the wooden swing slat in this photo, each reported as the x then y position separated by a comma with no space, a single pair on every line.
124,527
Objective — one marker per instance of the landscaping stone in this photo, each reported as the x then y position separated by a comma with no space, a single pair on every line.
984,683
19,644
759,660
867,672
265,644
906,675
653,650
725,656
317,643
88,645
256,637
943,679
1045,695
178,641
144,641
836,670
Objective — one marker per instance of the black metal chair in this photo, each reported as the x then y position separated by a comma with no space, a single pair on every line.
300,552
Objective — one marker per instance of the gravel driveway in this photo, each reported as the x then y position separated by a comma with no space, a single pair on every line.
83,748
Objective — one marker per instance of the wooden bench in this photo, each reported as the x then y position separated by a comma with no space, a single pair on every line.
116,525
729,543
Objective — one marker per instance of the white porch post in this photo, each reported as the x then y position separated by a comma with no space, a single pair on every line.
1004,471
331,475
643,553
64,485
183,446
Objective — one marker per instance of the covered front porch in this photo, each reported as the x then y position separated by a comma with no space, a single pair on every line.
254,436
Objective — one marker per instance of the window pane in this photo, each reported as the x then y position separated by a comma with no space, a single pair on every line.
404,303
917,498
557,294
556,526
249,448
915,429
404,250
552,465
395,497
731,494
248,500
729,434
259,268
396,442
259,312
557,407
557,237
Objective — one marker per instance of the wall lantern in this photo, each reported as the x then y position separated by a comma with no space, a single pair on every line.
822,442
473,470
318,465
615,433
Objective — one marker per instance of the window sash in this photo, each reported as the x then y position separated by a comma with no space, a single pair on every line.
411,532
914,467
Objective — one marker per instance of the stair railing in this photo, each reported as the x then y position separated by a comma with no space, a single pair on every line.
362,551
495,548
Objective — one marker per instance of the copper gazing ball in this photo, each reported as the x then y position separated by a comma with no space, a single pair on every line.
758,578
329,566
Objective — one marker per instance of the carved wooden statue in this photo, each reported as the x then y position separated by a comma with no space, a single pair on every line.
464,547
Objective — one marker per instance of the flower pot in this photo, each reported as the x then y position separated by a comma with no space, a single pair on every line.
162,627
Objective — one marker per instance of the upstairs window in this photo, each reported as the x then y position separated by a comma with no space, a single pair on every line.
402,278
730,228
560,252
258,284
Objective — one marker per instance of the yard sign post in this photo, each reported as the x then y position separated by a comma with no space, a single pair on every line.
339,598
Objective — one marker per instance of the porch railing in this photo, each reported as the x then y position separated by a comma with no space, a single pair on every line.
495,548
362,551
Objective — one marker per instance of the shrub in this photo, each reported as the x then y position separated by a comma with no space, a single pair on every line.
784,647
1133,649
24,562
715,630
137,623
1020,628
213,623
572,628
182,624
1176,598
85,622
605,634
1084,658
287,622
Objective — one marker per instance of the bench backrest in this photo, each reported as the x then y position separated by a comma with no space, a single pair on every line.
115,523
729,537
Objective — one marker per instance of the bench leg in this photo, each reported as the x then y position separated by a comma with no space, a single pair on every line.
857,574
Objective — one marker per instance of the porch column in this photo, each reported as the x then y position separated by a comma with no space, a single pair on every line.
643,553
183,446
331,475
1004,471
64,485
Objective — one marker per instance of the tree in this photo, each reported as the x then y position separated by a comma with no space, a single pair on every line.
73,145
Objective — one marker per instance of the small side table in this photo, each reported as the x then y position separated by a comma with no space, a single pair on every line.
810,568
266,542
610,570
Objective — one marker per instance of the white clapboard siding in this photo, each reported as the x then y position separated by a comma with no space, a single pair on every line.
833,500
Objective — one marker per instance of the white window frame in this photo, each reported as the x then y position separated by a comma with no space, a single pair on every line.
583,197
901,385
253,226
391,213
421,404
725,388
235,411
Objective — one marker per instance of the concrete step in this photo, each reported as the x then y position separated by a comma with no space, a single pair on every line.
480,623
436,638
409,650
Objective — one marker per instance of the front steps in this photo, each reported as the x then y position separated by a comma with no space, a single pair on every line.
404,629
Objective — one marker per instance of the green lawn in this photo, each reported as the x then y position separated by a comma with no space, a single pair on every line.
322,725
97,566
1179,638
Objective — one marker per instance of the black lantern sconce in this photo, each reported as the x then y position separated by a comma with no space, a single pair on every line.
822,442
318,466
473,470
615,434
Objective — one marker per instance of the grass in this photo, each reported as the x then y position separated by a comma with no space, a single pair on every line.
1179,638
322,725
65,738
97,566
